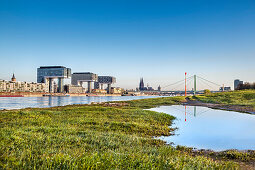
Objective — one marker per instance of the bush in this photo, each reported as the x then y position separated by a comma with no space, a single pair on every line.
207,92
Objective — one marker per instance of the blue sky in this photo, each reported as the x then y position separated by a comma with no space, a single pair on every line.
158,40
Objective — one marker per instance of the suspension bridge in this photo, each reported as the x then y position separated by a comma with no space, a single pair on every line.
191,85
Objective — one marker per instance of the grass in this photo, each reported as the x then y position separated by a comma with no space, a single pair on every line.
154,102
95,137
241,98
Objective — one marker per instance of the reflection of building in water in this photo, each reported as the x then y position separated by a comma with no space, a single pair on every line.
50,101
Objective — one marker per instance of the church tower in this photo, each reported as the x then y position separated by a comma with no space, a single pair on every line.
13,78
141,85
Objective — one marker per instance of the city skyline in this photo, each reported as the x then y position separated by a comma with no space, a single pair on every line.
156,40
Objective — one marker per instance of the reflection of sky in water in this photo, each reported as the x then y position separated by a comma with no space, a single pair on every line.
206,128
24,102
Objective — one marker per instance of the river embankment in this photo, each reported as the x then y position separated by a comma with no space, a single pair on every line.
239,101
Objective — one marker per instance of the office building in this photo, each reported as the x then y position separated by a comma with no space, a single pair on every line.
46,74
236,83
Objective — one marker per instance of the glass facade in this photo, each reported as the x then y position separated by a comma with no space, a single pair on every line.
52,72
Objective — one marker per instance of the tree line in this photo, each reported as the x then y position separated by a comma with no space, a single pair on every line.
246,86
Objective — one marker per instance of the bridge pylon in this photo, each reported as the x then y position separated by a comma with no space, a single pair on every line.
195,84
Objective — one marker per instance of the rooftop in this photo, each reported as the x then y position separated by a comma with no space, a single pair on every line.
52,67
83,73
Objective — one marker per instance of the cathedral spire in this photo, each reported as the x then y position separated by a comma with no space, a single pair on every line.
141,85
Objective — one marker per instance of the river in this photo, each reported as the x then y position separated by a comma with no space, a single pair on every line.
205,128
40,102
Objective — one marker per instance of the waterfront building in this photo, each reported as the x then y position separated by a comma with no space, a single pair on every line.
109,80
74,89
225,88
236,83
16,86
79,78
46,74
99,91
117,90
159,88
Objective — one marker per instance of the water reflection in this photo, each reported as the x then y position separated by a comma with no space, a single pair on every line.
205,128
24,102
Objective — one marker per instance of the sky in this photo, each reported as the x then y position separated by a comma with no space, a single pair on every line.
158,40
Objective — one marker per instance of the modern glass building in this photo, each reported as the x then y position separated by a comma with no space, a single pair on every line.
46,74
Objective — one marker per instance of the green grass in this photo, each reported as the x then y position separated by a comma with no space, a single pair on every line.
242,98
154,102
94,137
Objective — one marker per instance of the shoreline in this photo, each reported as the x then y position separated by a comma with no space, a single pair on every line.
235,108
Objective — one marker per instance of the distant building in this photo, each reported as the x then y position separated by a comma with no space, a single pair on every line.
141,85
225,88
74,89
99,91
13,78
117,90
109,80
236,83
46,74
159,88
142,88
150,89
15,86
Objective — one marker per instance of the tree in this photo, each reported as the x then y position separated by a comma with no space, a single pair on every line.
207,92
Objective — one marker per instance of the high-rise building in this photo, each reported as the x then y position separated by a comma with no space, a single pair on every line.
236,83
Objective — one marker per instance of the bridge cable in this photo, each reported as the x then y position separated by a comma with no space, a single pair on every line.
177,85
208,81
176,82
204,82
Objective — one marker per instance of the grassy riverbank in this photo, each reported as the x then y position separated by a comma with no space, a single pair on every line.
99,136
239,98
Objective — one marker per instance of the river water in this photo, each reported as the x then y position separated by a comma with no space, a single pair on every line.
24,102
205,128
